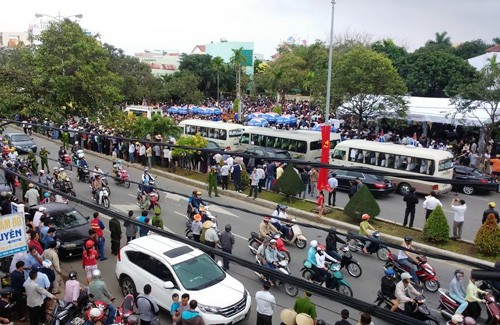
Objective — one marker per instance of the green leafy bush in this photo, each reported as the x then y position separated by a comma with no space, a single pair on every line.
436,229
277,109
289,183
487,237
245,179
362,202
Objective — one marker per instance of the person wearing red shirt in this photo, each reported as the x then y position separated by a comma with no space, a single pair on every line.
97,225
89,259
321,204
35,241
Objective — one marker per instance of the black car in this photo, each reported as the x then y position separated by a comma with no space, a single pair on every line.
266,154
72,228
483,182
22,142
377,184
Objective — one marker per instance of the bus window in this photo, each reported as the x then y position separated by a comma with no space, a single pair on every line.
255,139
284,144
245,138
390,161
339,154
301,146
262,140
353,155
233,133
432,168
315,145
270,141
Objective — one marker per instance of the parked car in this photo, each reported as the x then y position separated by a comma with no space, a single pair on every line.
377,184
212,145
483,181
265,153
72,228
172,267
22,142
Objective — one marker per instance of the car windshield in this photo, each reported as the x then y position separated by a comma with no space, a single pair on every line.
67,219
198,273
20,137
445,164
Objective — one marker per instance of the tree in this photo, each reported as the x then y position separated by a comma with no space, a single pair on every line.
436,229
289,183
366,85
360,203
218,65
287,72
237,60
195,141
200,65
487,237
182,87
73,72
164,126
482,95
442,42
387,47
430,73
470,49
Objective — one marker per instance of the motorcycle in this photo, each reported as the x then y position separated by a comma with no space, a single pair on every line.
255,241
492,309
125,313
153,201
448,306
67,313
382,299
281,266
335,281
295,236
490,286
350,264
65,161
101,196
83,174
425,272
188,232
420,312
376,246
121,178
65,186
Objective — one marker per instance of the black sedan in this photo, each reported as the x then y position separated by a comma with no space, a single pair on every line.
265,154
22,142
72,228
377,185
481,182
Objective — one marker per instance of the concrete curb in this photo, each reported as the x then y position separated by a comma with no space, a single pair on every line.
311,217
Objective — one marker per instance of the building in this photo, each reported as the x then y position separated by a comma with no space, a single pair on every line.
479,62
198,49
160,62
224,49
12,39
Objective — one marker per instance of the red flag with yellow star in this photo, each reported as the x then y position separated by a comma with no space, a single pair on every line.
325,157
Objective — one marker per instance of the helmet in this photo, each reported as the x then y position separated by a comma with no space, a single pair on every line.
332,230
56,169
72,275
492,204
390,272
96,273
376,234
365,216
469,321
146,169
228,227
95,312
197,217
89,243
408,238
267,218
282,207
46,194
61,169
405,276
119,162
314,243
276,235
458,271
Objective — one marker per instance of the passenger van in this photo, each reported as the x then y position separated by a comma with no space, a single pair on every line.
224,134
143,111
172,267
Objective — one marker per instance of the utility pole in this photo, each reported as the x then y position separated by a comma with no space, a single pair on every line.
329,79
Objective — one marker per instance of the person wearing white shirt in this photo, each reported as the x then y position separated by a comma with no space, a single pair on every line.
224,173
131,152
230,162
332,191
266,303
459,207
404,290
430,203
218,158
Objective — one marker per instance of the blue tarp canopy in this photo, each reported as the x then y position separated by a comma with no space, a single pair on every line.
262,122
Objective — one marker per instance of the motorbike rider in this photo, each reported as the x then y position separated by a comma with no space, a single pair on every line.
62,174
404,290
474,309
331,243
146,190
388,288
261,251
457,291
146,177
97,171
72,288
100,292
311,255
365,229
82,165
75,148
61,153
320,258
97,186
266,228
272,257
118,167
280,212
406,259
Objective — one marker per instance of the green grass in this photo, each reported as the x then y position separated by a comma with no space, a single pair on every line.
384,227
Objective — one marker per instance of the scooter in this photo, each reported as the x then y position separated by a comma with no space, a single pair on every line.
425,272
153,201
122,178
188,232
65,313
125,313
420,312
295,236
350,264
281,266
493,309
255,241
448,306
65,161
335,281
102,197
83,174
376,245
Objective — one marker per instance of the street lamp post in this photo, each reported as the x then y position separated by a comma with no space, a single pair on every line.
59,18
329,79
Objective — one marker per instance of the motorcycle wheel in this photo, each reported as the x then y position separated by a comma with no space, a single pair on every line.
105,202
354,270
126,184
345,290
109,190
72,193
431,322
353,245
431,285
300,243
291,290
383,254
189,234
287,254
255,245
307,275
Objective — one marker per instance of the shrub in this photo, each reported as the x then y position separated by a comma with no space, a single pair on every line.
289,183
277,109
245,179
487,237
436,229
362,202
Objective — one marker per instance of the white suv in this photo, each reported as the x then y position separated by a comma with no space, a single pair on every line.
172,267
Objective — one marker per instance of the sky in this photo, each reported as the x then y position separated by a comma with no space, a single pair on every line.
171,25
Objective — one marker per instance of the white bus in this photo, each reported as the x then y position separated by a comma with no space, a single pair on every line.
397,158
143,111
224,134
304,144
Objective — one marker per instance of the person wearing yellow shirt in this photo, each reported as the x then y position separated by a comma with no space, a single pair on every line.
474,310
365,229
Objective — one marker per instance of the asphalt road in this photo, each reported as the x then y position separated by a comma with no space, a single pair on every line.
174,207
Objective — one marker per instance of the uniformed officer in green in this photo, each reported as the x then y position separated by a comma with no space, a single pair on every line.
44,162
306,306
116,234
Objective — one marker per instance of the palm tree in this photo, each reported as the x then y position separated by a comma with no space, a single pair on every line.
237,60
218,65
441,40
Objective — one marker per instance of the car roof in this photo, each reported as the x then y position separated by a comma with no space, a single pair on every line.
54,207
172,251
14,133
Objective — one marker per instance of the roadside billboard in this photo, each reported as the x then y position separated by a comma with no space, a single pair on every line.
12,234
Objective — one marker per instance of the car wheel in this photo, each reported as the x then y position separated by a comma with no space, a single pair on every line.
469,190
404,188
128,286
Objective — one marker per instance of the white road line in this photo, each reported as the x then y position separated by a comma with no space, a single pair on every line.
132,195
179,213
241,237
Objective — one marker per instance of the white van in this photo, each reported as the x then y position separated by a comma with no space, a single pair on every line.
172,267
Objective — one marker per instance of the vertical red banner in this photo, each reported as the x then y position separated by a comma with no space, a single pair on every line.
325,157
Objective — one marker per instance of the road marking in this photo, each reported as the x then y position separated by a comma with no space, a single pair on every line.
174,197
241,237
179,213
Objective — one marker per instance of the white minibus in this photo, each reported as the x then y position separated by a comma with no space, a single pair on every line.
224,134
143,111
